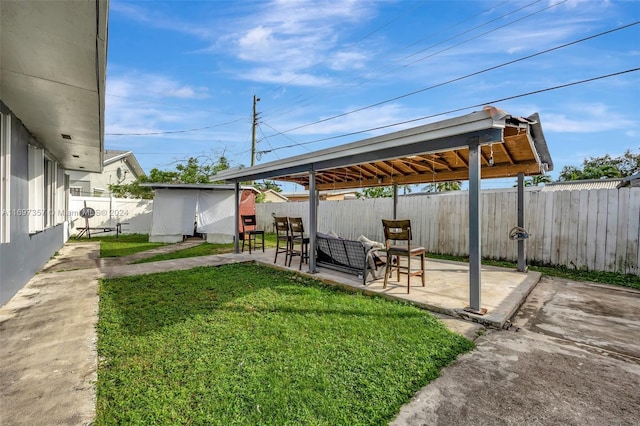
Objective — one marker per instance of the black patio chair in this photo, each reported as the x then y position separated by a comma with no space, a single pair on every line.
250,232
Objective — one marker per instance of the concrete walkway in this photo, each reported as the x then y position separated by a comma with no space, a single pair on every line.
571,357
49,360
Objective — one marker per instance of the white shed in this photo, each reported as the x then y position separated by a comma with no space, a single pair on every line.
182,210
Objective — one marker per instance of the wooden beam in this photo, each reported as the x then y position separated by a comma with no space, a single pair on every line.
497,171
506,152
456,153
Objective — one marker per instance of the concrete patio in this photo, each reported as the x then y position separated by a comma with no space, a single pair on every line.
446,290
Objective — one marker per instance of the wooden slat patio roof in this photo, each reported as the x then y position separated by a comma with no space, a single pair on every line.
436,152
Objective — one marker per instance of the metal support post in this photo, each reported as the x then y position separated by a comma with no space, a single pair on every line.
313,220
395,201
522,253
236,243
475,254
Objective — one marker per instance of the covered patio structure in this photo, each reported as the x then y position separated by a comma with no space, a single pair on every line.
485,144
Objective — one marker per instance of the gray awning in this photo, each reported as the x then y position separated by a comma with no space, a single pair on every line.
436,152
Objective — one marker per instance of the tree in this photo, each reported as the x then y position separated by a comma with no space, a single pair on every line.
604,167
376,192
190,172
535,180
267,185
442,186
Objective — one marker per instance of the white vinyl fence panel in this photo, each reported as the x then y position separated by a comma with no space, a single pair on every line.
583,229
134,214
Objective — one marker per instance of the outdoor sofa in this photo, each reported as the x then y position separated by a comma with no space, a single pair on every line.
361,258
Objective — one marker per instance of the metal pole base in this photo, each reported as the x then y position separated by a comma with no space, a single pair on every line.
482,311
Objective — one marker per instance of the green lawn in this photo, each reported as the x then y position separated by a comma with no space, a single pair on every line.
122,245
246,344
204,249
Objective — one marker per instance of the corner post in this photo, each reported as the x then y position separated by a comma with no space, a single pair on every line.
395,200
236,230
475,255
313,220
522,254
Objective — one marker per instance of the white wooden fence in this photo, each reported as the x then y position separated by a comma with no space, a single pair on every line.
586,229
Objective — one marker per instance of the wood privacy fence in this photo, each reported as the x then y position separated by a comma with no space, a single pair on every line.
586,229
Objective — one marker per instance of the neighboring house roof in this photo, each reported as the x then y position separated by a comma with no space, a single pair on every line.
576,185
53,73
113,155
276,194
633,180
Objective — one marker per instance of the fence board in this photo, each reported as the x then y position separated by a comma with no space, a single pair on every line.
498,223
570,255
622,230
463,224
633,232
555,215
601,230
537,226
583,229
612,227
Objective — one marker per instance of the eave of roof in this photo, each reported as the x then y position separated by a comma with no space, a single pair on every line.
53,73
131,160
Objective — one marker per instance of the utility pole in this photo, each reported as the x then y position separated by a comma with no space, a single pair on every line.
253,130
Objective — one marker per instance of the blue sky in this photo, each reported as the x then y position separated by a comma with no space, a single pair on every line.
182,74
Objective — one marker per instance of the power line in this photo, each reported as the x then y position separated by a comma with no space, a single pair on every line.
462,77
169,132
307,98
522,95
448,48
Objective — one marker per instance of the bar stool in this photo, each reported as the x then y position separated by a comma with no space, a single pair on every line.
400,230
297,237
282,237
250,232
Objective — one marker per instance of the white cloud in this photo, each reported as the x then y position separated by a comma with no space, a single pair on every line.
362,120
300,37
154,86
269,75
143,103
587,118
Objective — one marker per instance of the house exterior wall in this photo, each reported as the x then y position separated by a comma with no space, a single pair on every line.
97,184
23,253
270,197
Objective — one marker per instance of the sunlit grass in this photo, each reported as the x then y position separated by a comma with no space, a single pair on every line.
204,249
245,344
121,245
